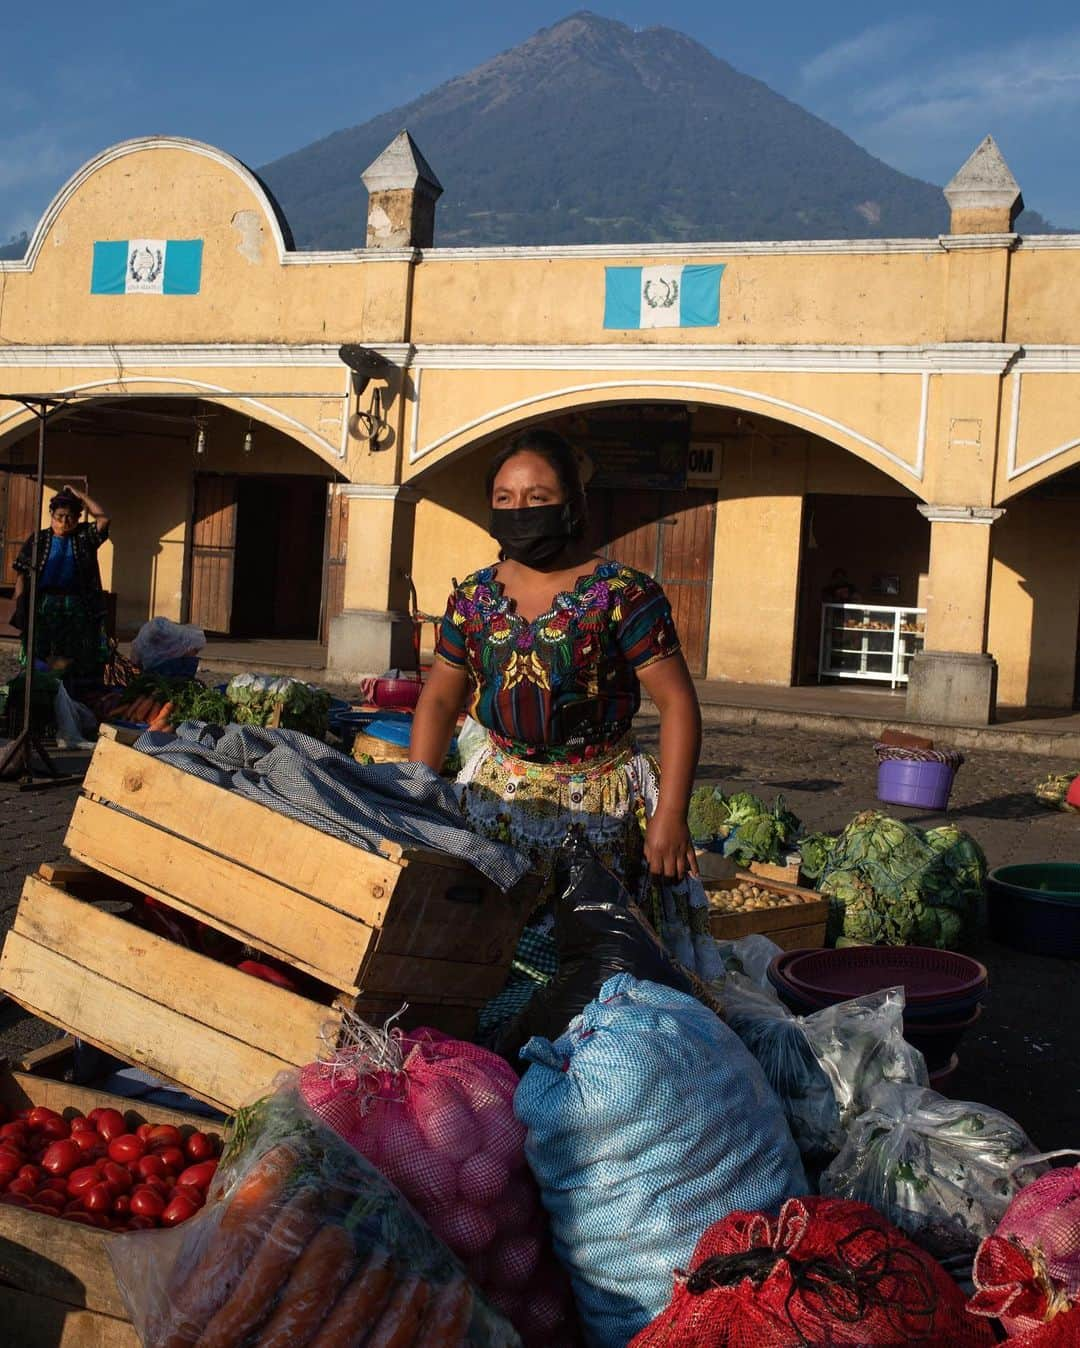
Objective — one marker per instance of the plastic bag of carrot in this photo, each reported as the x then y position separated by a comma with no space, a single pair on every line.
301,1244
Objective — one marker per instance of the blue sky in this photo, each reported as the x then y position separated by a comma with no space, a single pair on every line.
919,91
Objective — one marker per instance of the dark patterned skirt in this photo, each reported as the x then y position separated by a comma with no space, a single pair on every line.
70,628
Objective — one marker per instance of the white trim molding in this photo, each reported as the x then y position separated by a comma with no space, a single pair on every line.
750,395
217,354
946,514
115,388
937,358
378,491
958,243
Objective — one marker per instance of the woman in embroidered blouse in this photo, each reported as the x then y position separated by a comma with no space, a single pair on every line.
548,650
70,627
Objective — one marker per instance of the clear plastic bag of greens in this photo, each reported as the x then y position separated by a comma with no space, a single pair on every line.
941,1170
826,1066
301,1241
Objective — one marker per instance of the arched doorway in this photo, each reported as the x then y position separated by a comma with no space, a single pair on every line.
719,504
218,518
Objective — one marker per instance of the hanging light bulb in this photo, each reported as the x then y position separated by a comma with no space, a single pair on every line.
249,440
200,441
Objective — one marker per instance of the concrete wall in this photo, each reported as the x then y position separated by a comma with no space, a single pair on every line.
1035,602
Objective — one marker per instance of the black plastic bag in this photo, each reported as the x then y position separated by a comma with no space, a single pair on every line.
598,932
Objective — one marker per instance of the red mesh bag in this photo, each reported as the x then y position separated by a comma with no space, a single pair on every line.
1014,1286
1063,1331
827,1271
436,1116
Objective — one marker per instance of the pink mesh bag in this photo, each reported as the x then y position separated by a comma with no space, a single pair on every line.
436,1116
1045,1214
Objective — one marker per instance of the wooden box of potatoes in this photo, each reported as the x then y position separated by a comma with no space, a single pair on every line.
742,904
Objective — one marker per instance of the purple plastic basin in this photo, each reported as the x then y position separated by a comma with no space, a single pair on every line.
926,785
927,975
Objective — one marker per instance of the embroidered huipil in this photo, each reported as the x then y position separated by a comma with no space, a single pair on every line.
564,685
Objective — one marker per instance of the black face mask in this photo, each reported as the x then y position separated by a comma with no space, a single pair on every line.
532,536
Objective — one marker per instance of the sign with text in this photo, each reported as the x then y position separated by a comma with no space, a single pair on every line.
704,464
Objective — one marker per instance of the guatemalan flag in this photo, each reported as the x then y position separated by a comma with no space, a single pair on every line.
147,267
662,297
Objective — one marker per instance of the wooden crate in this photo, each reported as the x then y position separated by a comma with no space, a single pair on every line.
787,874
218,1033
401,923
792,927
60,1288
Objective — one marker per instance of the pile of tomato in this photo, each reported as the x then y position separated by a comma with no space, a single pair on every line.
94,1171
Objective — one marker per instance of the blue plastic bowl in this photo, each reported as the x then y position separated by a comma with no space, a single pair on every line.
1036,907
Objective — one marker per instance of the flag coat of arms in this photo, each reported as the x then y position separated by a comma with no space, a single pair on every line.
147,267
662,297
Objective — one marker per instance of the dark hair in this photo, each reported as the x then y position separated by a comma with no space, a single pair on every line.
559,454
65,499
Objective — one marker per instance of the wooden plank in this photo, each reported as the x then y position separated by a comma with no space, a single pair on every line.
50,1056
206,1063
462,917
41,1322
410,976
256,910
178,980
345,877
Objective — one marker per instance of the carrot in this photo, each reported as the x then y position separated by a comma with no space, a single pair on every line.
319,1275
161,720
447,1320
139,708
249,1215
271,1264
400,1321
358,1307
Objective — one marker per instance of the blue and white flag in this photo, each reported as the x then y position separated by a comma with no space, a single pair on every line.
662,297
147,267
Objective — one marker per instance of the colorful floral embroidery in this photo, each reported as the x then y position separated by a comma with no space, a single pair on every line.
557,686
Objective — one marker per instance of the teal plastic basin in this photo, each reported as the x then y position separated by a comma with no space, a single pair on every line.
1035,906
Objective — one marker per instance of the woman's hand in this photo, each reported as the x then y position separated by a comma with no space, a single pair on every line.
668,848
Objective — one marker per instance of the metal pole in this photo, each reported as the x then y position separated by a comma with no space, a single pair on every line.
31,618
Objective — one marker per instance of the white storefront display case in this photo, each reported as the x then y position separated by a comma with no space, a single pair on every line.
869,641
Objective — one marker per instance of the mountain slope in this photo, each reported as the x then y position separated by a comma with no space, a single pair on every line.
591,132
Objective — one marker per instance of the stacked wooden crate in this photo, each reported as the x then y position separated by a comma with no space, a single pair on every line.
376,930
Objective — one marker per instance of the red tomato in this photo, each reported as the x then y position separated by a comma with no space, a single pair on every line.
87,1140
199,1147
83,1179
96,1114
98,1198
51,1198
81,1125
22,1186
30,1172
163,1135
143,1130
39,1114
126,1148
179,1210
83,1218
10,1164
143,1223
110,1123
173,1157
14,1200
150,1165
54,1129
61,1158
17,1129
117,1177
145,1202
159,1184
199,1176
121,1205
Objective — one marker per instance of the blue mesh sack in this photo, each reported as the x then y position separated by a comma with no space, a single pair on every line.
648,1121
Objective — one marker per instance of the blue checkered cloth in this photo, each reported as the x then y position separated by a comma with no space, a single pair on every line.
306,780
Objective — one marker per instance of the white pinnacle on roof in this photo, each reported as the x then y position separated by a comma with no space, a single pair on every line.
984,180
401,166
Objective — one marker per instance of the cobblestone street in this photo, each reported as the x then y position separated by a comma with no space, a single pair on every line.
1024,1056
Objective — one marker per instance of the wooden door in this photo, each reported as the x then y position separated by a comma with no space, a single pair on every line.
18,519
669,536
213,552
337,543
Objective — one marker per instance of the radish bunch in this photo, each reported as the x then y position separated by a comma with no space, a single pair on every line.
436,1116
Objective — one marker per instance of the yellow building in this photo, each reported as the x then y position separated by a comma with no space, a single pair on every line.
905,409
